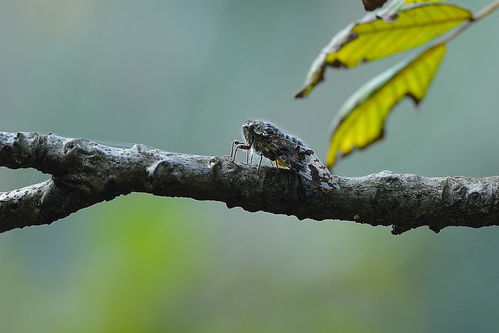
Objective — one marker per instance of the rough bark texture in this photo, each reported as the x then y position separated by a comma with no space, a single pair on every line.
85,173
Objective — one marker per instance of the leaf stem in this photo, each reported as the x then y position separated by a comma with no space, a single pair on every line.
476,17
486,11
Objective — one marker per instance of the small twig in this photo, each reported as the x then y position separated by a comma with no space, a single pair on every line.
475,18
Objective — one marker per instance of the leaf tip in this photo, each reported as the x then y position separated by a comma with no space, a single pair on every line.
416,101
330,164
304,92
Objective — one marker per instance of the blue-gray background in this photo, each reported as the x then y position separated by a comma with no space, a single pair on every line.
182,76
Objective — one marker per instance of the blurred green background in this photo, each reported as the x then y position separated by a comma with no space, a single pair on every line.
182,76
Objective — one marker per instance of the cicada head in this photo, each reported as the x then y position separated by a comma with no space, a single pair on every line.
251,129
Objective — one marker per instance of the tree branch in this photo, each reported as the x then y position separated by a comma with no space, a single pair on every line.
85,173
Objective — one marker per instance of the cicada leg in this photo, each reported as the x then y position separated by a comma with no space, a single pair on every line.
234,143
259,165
239,145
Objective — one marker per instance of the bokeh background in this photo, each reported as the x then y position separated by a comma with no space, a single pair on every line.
182,76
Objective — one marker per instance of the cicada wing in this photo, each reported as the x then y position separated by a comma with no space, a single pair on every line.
303,161
318,174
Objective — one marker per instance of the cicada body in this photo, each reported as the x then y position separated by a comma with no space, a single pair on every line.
285,150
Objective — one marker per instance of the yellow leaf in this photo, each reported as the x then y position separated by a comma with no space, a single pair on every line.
373,38
418,1
371,5
390,11
360,122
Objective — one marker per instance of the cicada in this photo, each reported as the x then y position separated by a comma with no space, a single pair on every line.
285,150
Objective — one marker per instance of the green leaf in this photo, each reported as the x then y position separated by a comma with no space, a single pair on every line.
390,11
373,38
360,122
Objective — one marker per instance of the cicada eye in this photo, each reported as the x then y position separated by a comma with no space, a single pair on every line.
259,127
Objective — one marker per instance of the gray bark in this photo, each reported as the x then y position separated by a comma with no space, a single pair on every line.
85,173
